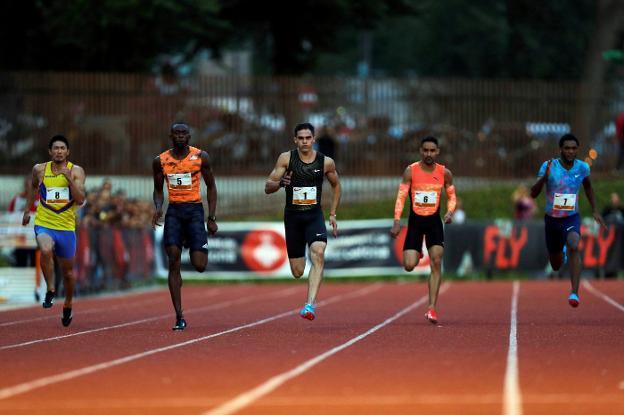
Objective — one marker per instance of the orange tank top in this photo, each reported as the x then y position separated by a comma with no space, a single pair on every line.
183,176
426,189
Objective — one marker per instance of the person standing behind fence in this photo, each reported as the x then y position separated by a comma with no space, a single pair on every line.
181,166
301,172
61,188
423,181
563,178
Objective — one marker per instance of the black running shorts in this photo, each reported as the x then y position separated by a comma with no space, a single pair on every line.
301,228
429,227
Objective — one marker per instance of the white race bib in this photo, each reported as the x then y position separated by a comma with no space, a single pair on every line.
425,199
57,195
564,201
304,195
180,181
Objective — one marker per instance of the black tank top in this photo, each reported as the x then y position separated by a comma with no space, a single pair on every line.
306,183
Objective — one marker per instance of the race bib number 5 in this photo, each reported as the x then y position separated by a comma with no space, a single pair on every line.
304,195
180,181
564,201
57,195
425,199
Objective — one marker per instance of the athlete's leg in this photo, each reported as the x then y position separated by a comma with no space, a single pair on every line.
175,279
199,259
572,242
46,247
69,280
411,257
556,260
435,257
315,277
297,266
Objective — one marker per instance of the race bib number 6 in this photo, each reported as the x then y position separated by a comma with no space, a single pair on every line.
564,201
425,199
304,195
57,195
180,181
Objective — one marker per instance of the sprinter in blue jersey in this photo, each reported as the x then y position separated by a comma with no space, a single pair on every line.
563,178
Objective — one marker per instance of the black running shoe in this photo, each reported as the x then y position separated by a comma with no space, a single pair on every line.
67,316
180,324
49,299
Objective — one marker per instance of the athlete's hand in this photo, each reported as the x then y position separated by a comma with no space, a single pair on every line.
212,227
156,218
285,180
598,218
25,218
547,172
396,228
334,225
448,218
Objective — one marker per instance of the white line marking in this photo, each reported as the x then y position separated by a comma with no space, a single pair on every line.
247,398
600,294
215,306
512,397
72,374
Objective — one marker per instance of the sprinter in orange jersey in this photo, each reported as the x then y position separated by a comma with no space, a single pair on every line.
181,167
424,181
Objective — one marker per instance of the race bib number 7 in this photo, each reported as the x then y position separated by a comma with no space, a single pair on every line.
304,195
57,195
425,199
180,181
564,201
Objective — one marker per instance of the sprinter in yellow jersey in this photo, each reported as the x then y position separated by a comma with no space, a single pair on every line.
61,188
424,181
182,167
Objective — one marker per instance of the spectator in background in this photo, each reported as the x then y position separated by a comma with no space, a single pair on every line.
326,143
523,204
619,137
459,216
24,257
614,212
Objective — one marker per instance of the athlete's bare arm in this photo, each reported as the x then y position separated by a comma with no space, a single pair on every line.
404,188
450,194
279,177
536,189
77,184
589,192
211,187
158,195
36,176
329,167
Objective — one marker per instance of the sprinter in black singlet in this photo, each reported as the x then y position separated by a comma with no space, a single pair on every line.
301,173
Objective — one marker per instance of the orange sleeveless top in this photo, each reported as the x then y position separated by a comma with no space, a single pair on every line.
426,189
183,176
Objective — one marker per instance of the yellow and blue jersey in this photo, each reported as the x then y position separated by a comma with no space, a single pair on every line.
57,208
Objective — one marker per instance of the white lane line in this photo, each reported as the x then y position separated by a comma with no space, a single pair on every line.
106,309
72,374
247,398
512,397
600,294
216,306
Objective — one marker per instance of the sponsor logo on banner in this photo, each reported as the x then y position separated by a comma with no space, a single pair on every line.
264,250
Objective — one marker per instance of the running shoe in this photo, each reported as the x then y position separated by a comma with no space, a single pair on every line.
431,316
180,324
49,299
308,312
574,300
67,316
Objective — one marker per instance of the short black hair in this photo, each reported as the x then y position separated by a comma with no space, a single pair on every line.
304,126
568,137
430,139
56,138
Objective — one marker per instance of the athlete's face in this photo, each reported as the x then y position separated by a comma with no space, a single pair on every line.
429,152
569,151
304,140
59,152
180,135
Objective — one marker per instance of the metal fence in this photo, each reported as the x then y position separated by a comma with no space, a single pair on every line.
118,123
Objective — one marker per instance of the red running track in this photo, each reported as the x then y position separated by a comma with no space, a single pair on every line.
370,351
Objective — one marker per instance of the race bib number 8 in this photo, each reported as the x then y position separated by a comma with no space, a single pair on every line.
57,195
180,181
425,199
564,201
304,195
